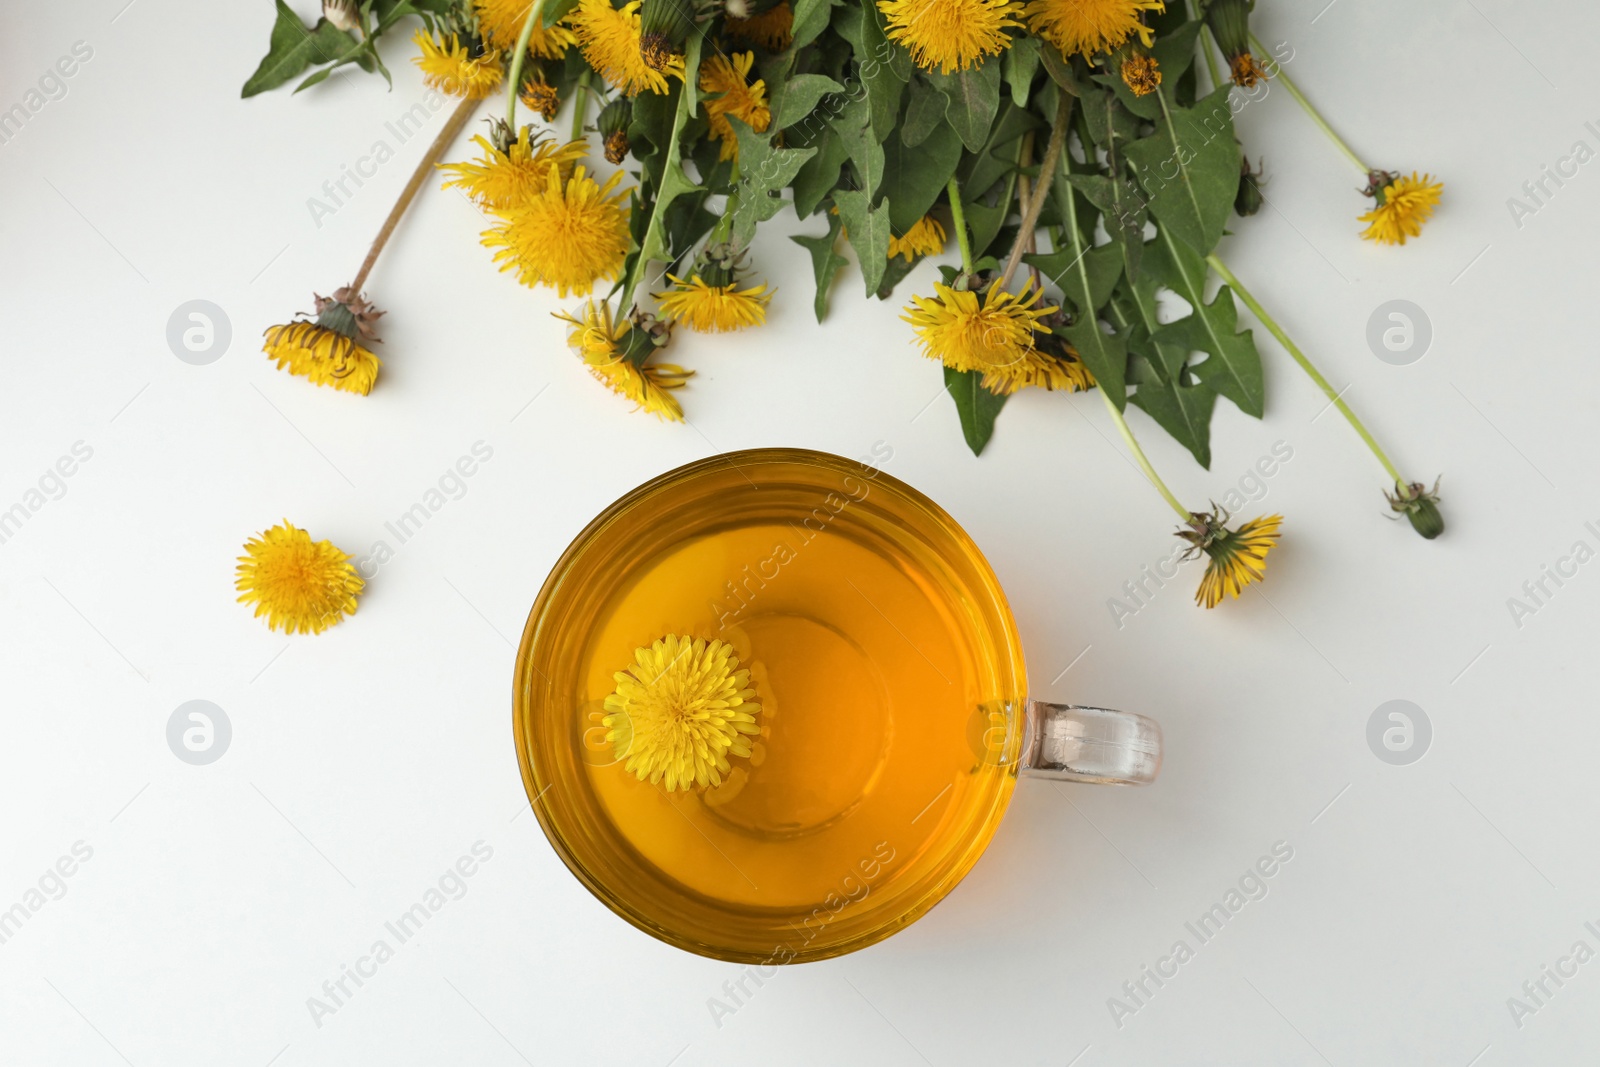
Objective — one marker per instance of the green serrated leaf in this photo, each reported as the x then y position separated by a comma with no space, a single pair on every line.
292,48
800,96
764,172
810,19
980,170
1021,64
973,97
1165,386
825,262
882,67
1234,366
1189,169
853,124
869,233
1086,277
924,111
1184,411
894,274
816,179
913,178
976,406
1122,211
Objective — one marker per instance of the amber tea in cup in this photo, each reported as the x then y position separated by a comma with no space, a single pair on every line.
893,720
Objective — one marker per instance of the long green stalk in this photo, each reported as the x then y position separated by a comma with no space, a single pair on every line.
1278,75
958,215
1140,458
1305,364
514,85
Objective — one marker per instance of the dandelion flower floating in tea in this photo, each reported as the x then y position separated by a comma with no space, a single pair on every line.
680,711
300,585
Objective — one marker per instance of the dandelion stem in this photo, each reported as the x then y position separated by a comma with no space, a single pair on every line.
1305,364
1047,170
458,118
1277,74
1184,515
580,105
515,81
958,215
1210,52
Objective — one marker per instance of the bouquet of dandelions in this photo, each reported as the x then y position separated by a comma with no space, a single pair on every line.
1072,148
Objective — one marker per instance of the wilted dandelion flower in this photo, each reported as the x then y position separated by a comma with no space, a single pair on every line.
772,29
1141,73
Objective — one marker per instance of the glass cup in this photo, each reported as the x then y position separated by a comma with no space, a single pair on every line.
894,726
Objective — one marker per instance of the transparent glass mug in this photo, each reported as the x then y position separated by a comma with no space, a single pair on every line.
894,724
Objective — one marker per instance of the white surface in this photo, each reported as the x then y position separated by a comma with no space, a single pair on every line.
365,761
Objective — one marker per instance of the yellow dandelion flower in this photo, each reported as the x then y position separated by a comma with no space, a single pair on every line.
453,70
1089,27
951,34
955,329
925,238
540,96
301,586
707,308
1404,204
1038,369
773,29
501,23
745,101
324,356
1236,558
1141,73
567,236
603,342
680,710
609,38
500,180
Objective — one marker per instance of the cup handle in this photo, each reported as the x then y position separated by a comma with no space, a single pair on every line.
1070,743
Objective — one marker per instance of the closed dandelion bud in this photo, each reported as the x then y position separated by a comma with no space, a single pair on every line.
1420,505
1247,201
613,121
664,26
1229,21
342,13
1230,25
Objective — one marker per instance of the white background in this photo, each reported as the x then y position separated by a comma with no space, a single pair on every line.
366,760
